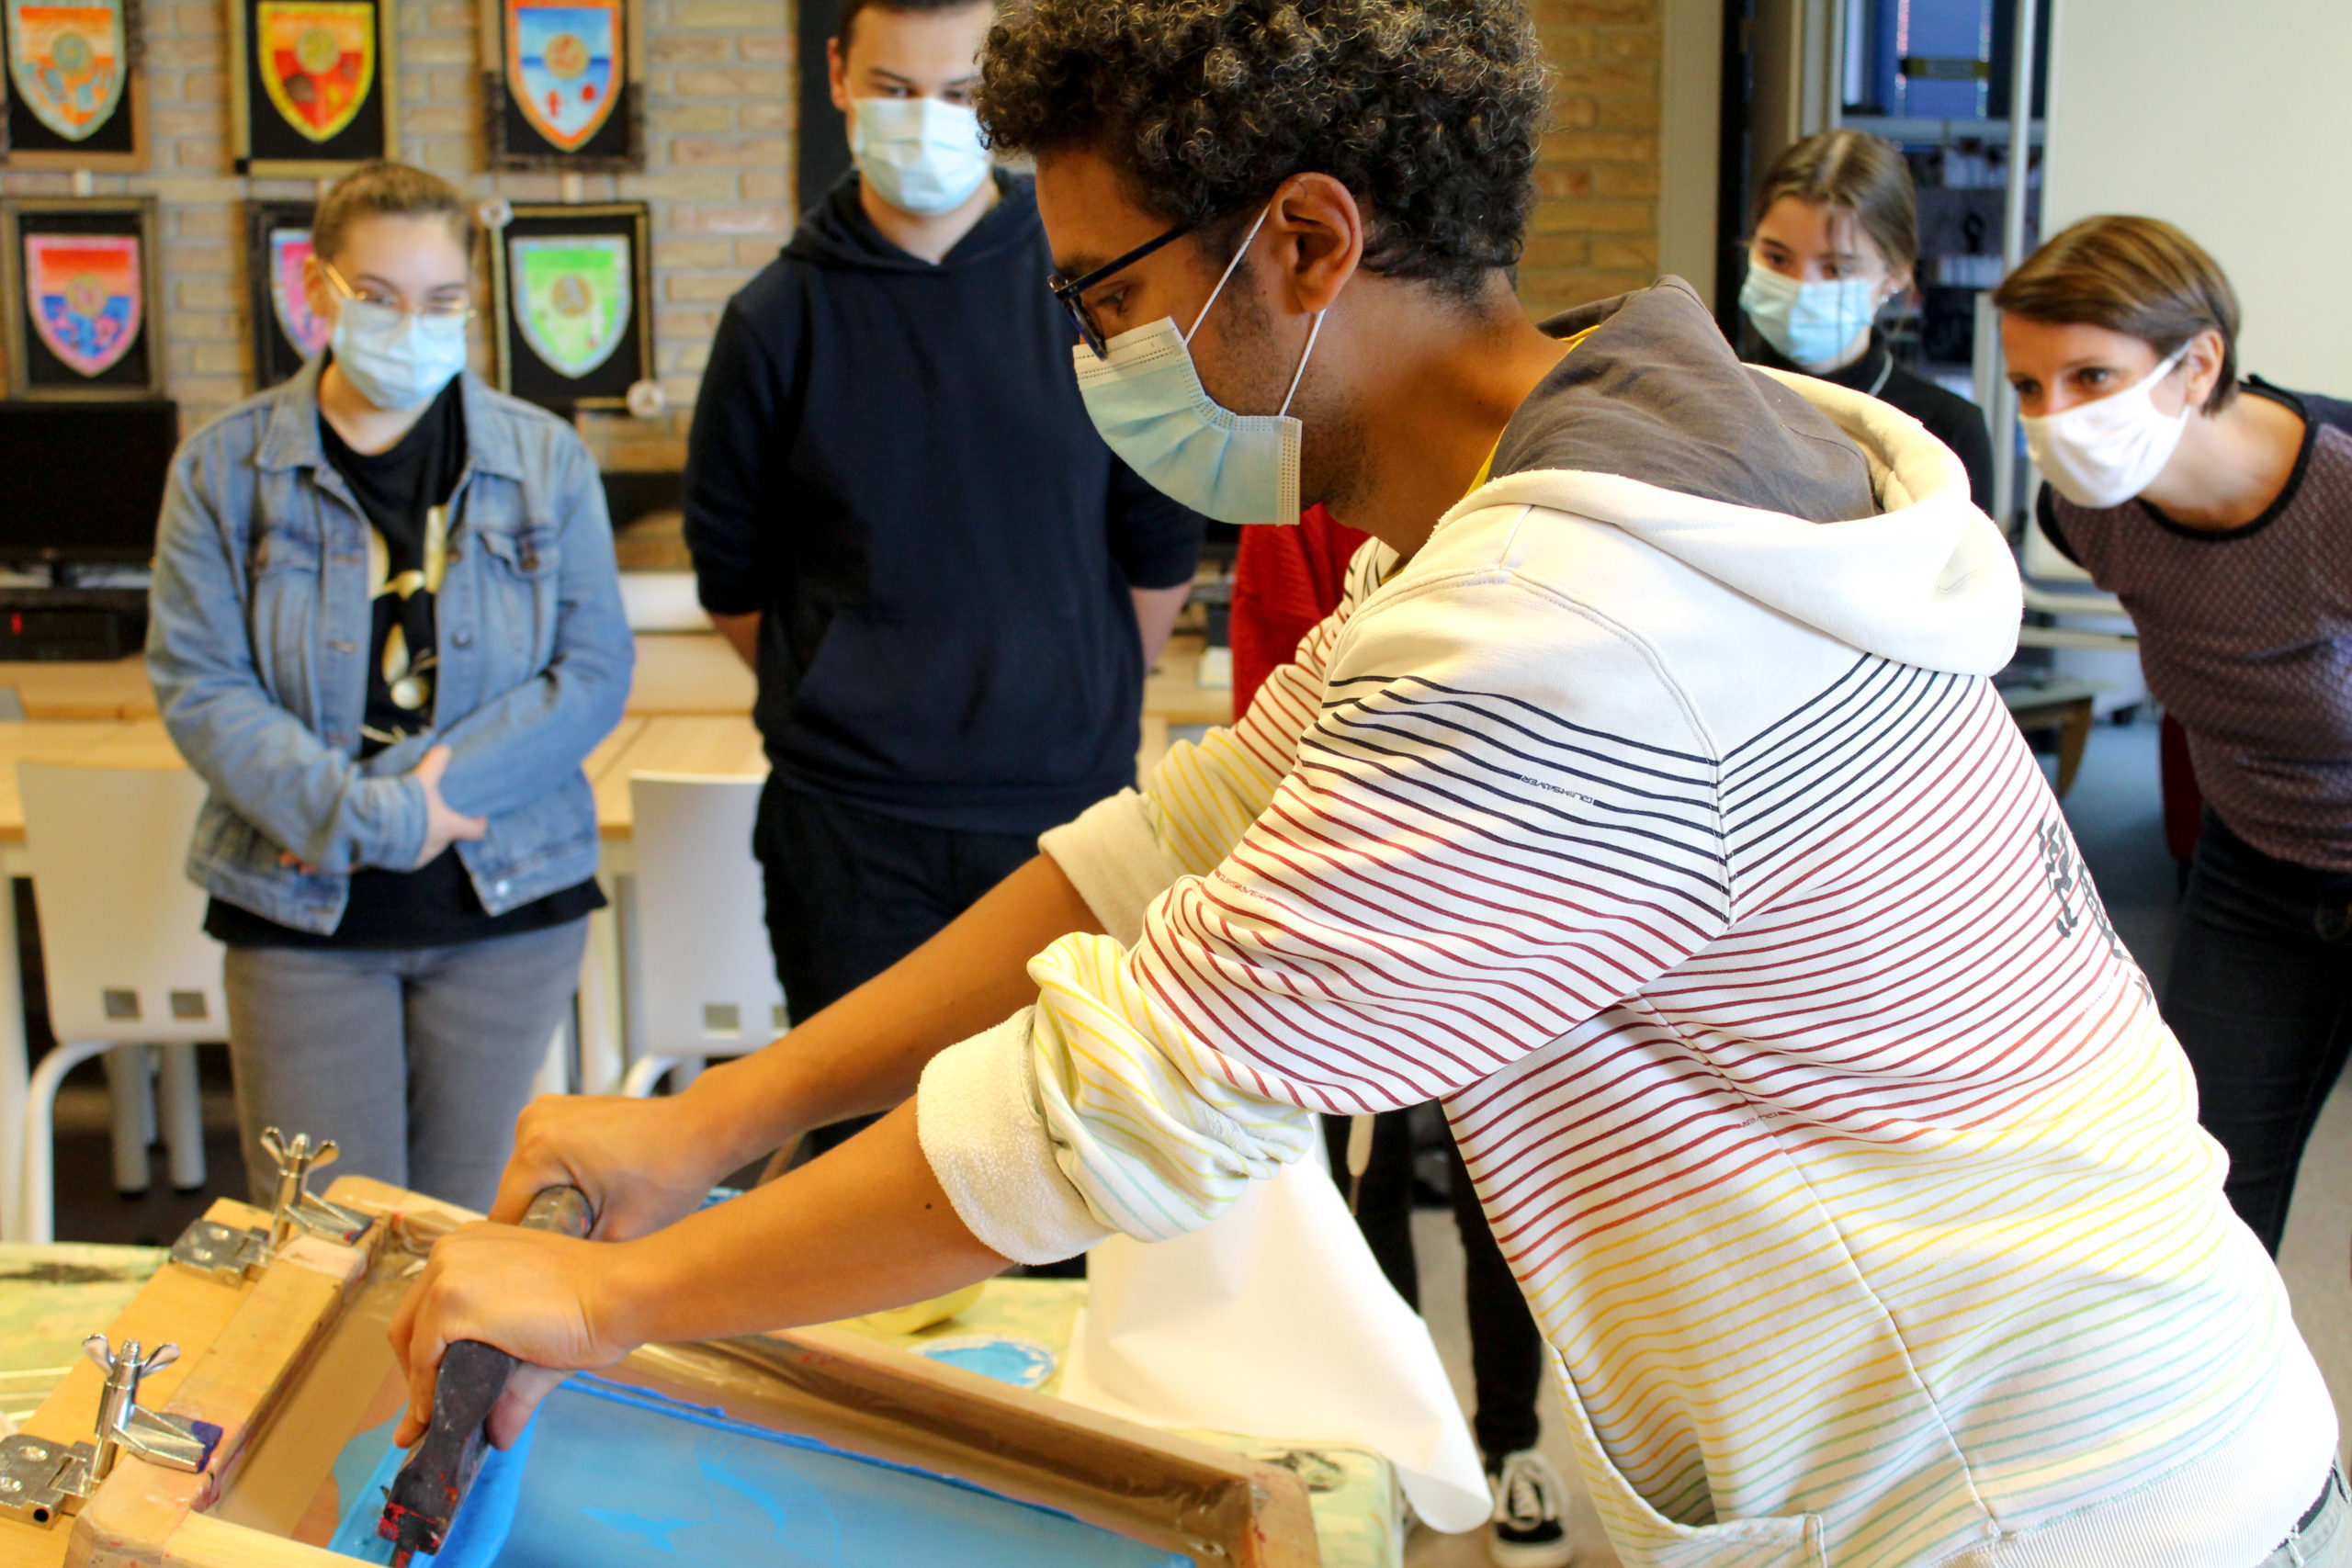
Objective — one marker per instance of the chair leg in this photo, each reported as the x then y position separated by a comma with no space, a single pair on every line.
130,1087
181,1110
555,1067
644,1074
37,1217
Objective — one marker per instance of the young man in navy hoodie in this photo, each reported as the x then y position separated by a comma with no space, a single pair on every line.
903,519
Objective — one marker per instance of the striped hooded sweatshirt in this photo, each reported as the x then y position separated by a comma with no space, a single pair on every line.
1657,818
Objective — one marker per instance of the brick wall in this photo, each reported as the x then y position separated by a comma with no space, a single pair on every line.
718,82
1594,228
719,91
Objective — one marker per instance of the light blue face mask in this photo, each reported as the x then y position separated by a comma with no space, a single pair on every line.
1813,323
921,155
395,360
1145,396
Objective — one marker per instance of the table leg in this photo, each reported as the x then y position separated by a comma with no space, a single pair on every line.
603,1056
14,1068
2073,734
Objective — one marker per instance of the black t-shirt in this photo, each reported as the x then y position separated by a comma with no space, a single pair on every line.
405,490
1949,418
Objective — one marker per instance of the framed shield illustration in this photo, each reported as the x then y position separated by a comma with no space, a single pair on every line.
75,96
572,287
312,85
286,332
562,92
79,278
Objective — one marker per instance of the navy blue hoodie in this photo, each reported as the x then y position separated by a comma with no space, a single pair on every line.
890,460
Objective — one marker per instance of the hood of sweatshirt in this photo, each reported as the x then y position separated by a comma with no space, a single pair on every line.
1824,504
835,233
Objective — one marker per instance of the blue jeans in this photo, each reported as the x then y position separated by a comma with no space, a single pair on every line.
2326,1540
416,1062
2260,996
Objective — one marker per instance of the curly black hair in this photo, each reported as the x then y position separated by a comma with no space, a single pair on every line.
1429,111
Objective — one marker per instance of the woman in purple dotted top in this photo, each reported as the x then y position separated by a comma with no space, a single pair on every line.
2218,512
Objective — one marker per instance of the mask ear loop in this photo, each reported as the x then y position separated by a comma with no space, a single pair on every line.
1242,251
1305,354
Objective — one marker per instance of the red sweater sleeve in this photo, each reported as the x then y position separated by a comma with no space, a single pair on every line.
1284,581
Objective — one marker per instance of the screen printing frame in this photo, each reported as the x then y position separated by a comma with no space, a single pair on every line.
257,1358
111,216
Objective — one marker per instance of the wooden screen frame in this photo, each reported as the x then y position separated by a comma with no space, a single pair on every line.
15,333
246,1346
629,107
240,106
134,103
640,214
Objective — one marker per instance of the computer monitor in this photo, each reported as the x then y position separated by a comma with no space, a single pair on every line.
83,481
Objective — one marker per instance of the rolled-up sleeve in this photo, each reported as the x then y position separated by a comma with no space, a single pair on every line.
1408,912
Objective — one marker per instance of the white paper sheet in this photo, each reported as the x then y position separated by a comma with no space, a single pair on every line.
1275,1322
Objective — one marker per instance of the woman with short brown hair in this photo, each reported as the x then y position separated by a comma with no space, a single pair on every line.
2217,511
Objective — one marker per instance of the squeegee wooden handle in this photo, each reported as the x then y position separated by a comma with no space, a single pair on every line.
425,1494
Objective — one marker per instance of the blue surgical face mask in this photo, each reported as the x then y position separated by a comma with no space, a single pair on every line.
1145,396
395,360
921,155
1813,323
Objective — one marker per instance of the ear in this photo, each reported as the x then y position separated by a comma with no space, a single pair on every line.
837,73
2202,365
1317,229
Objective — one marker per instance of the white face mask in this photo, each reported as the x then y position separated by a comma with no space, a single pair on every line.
1145,397
395,360
1813,323
921,155
2103,453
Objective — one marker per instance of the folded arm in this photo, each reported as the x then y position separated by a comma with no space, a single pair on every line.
528,740
312,798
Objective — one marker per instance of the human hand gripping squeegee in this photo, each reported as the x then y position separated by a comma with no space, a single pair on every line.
424,1497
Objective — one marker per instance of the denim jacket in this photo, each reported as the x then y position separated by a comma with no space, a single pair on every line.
259,638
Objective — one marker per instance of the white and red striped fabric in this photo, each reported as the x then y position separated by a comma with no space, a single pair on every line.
1686,853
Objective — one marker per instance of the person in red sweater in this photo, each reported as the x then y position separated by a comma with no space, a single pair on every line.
1286,580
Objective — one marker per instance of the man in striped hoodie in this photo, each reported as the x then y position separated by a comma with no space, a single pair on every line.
1646,804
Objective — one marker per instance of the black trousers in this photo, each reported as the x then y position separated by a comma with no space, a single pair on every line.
850,892
2260,993
1506,1349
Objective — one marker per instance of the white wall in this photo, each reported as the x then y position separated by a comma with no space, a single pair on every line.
2229,120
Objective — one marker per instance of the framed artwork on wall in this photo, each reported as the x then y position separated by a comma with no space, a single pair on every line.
78,276
561,90
311,85
76,99
572,288
286,332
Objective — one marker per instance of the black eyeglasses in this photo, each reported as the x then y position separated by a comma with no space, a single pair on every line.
1069,292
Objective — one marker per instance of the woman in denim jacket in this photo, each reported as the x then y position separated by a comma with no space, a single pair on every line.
387,631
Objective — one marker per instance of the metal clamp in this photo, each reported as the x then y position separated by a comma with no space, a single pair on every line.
40,1479
173,1441
234,1253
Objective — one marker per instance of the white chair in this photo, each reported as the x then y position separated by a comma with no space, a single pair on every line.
2056,586
131,972
703,967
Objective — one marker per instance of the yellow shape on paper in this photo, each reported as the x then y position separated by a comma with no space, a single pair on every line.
317,61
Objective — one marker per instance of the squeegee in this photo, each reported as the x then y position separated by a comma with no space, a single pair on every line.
424,1496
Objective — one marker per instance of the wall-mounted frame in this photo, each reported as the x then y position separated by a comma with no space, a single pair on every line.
312,85
572,287
75,92
286,334
78,282
562,86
